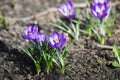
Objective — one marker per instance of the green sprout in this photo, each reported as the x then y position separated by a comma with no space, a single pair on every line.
2,20
115,63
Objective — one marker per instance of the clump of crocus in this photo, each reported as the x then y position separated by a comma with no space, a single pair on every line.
31,33
43,51
67,9
101,9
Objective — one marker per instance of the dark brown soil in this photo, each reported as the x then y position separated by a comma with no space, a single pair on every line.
83,54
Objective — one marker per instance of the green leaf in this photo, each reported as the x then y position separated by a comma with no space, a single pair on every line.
4,23
83,31
54,60
115,64
65,30
37,65
64,25
28,53
24,50
101,40
116,50
44,55
59,27
2,20
59,55
75,21
36,62
77,13
65,50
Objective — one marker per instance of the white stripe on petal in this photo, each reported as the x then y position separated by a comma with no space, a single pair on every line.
97,8
102,1
69,6
94,13
103,7
65,9
96,1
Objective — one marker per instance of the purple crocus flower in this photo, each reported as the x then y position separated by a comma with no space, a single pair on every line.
30,32
40,38
67,9
101,1
57,40
99,10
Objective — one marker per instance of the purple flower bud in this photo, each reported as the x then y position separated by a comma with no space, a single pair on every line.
67,9
99,10
40,38
30,32
57,40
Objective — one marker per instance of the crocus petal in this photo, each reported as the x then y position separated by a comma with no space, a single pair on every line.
24,36
30,27
43,37
62,39
70,5
40,38
55,34
96,1
97,8
71,16
32,36
101,1
93,11
25,31
51,41
35,28
60,9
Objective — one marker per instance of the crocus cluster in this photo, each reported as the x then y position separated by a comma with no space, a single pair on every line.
45,50
55,40
67,9
31,33
100,8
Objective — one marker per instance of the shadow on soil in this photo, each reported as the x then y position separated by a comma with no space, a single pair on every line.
24,63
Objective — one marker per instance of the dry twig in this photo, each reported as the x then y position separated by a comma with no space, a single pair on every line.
103,46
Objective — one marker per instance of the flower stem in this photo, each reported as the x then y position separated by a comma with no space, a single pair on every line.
102,31
62,70
37,67
118,59
48,69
